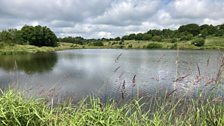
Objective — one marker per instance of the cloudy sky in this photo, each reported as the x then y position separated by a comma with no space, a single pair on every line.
108,18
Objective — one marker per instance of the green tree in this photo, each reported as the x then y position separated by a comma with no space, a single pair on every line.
117,39
185,36
139,36
194,29
39,36
147,36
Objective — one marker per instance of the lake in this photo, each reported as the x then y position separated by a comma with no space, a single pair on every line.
115,73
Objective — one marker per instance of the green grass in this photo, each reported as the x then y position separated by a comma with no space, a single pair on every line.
15,109
210,43
10,49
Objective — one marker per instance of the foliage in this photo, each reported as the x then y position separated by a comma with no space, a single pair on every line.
99,43
156,38
154,45
186,36
39,36
70,39
163,109
147,37
198,42
194,29
117,39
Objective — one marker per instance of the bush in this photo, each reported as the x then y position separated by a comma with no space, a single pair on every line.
121,43
154,45
130,46
157,38
198,42
98,43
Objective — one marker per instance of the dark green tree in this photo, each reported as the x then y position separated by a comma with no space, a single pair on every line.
194,29
39,36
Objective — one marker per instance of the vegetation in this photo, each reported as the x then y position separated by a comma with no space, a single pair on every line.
11,49
190,36
154,45
198,42
38,36
162,110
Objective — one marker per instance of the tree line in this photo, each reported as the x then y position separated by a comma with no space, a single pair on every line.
33,35
44,36
184,32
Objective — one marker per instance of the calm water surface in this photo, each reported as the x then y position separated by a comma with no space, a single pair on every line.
108,72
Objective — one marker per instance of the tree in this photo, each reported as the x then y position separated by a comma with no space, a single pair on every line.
194,29
117,39
185,36
39,36
206,30
11,35
155,32
139,36
147,37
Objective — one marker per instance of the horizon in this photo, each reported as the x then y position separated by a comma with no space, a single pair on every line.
113,18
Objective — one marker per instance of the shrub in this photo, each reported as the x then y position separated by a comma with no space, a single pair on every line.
130,46
174,46
198,42
157,38
121,43
98,43
154,45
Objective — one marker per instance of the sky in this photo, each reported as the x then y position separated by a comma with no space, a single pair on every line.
108,18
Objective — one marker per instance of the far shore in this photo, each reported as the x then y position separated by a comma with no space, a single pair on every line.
210,44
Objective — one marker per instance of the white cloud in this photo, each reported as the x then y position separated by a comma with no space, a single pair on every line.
104,35
128,12
108,18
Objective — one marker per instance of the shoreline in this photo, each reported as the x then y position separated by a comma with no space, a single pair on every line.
30,49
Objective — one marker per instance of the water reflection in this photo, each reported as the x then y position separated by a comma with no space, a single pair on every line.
30,64
78,73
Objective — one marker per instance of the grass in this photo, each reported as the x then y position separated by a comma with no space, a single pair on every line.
16,109
10,49
211,43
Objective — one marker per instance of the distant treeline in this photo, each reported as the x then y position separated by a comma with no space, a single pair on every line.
184,32
44,36
33,35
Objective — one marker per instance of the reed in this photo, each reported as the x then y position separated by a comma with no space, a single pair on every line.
16,109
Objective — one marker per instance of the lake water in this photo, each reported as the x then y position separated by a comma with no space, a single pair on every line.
110,72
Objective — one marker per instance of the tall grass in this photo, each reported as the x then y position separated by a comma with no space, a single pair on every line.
161,110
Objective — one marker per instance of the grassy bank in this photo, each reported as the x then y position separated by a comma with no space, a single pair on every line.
210,43
9,49
162,111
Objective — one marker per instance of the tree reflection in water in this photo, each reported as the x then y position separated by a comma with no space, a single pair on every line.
30,63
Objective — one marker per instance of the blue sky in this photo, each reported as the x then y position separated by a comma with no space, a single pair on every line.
108,18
